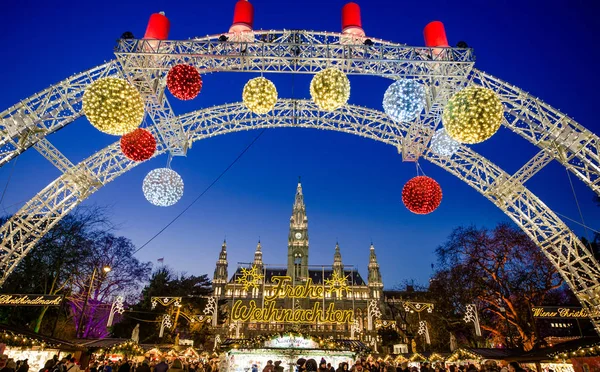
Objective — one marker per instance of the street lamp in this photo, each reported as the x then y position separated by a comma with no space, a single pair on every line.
106,269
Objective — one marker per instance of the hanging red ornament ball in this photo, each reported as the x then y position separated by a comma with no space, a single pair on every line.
422,195
138,145
184,82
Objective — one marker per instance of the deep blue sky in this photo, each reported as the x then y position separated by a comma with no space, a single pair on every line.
352,185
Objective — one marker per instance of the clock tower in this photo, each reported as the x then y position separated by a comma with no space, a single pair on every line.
297,266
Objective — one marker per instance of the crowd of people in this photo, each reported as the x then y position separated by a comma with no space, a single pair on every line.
361,365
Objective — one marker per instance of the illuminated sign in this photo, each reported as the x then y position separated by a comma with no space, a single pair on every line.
560,312
287,342
251,312
29,300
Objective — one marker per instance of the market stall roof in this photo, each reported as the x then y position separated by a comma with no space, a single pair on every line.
50,342
483,354
582,347
102,343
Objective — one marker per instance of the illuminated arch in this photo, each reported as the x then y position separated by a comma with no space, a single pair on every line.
447,70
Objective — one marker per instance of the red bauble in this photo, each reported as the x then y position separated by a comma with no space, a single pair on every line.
138,145
422,195
184,82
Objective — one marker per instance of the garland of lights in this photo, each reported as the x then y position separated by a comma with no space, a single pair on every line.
327,343
404,100
163,187
444,145
138,145
259,95
113,106
422,195
463,354
586,351
129,348
330,89
473,115
184,82
18,340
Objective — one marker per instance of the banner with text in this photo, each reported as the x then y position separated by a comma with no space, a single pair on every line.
560,312
29,300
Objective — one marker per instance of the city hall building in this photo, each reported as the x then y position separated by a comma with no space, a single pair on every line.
332,300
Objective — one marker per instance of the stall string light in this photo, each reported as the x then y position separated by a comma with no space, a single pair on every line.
14,339
127,348
258,342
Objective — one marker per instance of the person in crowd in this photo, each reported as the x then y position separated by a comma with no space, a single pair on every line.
278,367
254,368
357,367
300,365
515,367
10,366
71,366
330,368
269,366
311,365
323,366
124,367
144,367
162,366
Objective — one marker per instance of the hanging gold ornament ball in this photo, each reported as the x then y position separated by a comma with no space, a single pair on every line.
259,95
473,115
330,89
113,106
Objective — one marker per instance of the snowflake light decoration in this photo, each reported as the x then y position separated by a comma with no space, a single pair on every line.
337,283
444,145
163,187
250,278
374,310
404,100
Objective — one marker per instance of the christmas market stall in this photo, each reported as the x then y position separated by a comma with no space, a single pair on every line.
582,354
481,356
243,354
19,344
114,349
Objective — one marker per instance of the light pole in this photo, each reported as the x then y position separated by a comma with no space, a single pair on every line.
106,269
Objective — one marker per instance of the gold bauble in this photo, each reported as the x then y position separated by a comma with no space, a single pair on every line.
259,95
473,115
113,106
330,89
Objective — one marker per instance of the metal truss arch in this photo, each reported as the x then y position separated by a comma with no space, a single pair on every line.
573,260
444,70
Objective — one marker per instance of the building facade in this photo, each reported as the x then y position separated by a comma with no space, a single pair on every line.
331,300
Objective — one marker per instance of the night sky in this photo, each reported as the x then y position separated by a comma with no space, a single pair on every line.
352,185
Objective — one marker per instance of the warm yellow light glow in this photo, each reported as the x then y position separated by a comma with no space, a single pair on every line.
330,89
473,115
113,106
106,269
259,95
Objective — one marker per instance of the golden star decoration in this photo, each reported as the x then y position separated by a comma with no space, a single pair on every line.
337,283
250,278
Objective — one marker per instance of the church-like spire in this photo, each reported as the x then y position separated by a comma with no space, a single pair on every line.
375,282
299,200
258,262
338,266
298,239
220,275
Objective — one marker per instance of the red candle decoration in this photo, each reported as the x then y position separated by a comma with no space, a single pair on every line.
138,145
184,82
422,195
